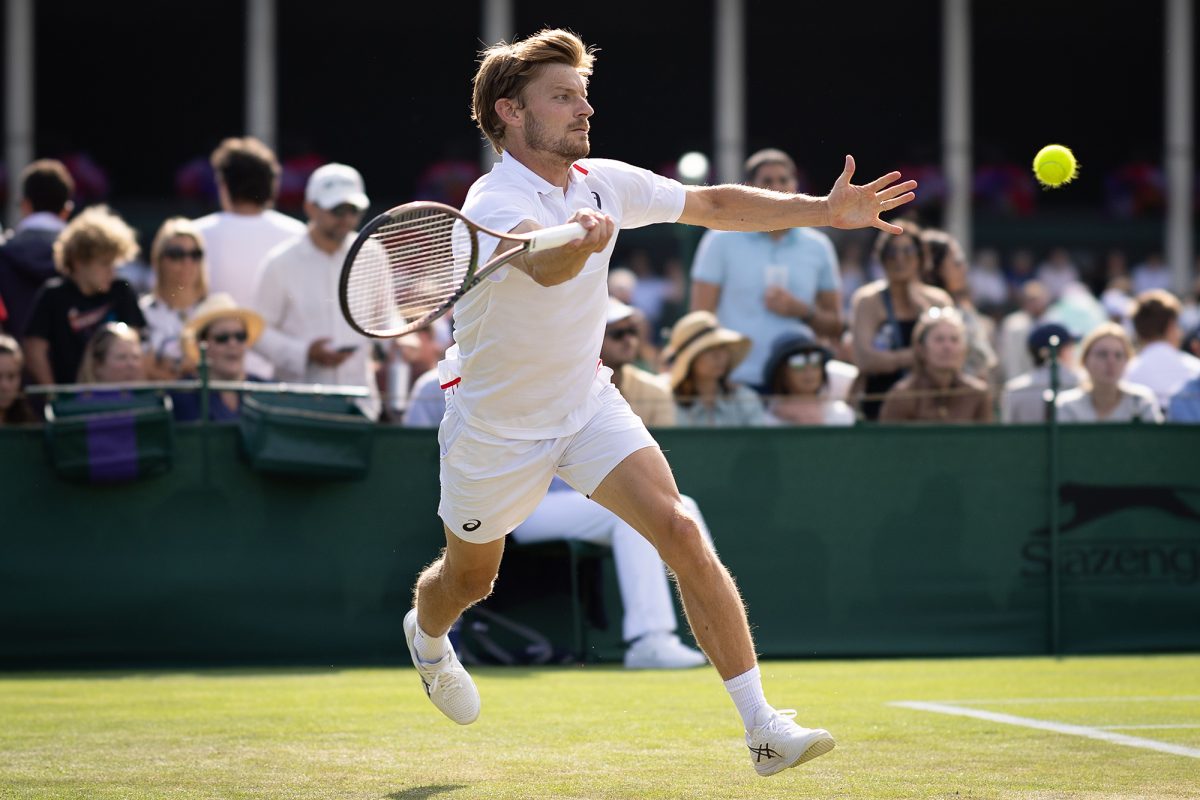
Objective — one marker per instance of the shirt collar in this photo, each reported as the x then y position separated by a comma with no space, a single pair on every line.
509,164
41,221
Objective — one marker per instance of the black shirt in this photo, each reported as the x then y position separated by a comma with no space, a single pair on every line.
67,318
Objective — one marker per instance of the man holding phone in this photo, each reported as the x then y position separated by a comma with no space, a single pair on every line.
307,338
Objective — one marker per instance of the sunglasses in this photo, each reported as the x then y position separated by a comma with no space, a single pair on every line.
622,333
178,253
813,358
223,338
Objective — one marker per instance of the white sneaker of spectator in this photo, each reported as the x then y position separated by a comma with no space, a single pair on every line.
662,650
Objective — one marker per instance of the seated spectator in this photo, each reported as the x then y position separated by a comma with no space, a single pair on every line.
988,286
1024,396
1104,396
228,331
180,283
27,256
112,355
701,356
68,309
937,390
947,270
1160,363
884,313
1015,329
1058,271
797,384
646,393
14,408
649,621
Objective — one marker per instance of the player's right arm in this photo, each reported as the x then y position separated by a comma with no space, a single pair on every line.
558,265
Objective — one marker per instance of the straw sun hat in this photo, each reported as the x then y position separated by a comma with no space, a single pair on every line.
218,306
692,335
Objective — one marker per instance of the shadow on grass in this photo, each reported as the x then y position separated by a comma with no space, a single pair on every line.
422,792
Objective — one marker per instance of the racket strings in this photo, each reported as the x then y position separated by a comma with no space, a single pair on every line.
409,269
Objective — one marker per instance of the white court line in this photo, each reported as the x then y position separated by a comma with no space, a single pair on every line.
1056,727
1015,701
1147,727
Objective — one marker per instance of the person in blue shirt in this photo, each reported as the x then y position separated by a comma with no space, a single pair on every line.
1185,403
766,284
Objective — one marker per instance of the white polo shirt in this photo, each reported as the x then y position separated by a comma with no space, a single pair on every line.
526,359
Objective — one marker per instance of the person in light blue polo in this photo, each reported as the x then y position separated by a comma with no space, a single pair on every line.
763,285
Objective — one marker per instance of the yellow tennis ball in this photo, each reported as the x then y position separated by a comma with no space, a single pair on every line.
1055,165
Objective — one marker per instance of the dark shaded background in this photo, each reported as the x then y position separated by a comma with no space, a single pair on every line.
143,87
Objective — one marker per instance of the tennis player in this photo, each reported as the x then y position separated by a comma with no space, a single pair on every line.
528,398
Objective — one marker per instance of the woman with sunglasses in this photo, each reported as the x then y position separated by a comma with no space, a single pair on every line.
797,384
884,313
228,331
180,284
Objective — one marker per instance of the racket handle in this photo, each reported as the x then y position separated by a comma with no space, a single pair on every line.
549,238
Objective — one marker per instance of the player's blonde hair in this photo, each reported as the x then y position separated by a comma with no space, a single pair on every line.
97,233
505,69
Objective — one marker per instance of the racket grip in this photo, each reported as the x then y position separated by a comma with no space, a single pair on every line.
549,238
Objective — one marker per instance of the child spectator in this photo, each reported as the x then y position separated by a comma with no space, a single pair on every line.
69,309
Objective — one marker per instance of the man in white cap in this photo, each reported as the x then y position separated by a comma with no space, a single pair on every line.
307,338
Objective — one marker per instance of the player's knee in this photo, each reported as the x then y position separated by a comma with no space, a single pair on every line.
681,544
471,586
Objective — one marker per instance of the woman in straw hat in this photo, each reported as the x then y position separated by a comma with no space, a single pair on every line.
700,356
228,331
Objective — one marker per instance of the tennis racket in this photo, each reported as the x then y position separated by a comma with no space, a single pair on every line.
409,265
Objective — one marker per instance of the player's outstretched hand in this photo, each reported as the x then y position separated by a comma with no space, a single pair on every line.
853,206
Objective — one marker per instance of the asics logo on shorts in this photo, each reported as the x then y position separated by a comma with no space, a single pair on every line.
471,524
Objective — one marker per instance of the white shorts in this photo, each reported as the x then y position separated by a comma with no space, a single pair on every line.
491,484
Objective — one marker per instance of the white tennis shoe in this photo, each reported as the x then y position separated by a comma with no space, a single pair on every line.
777,742
446,681
662,651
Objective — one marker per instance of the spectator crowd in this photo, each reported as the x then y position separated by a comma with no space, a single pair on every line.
760,329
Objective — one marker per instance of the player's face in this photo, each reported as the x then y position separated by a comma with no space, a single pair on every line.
1106,360
556,113
122,363
10,380
944,347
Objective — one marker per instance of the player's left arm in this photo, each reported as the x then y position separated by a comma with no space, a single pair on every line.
735,207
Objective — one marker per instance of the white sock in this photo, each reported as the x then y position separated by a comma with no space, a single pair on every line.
430,648
747,693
